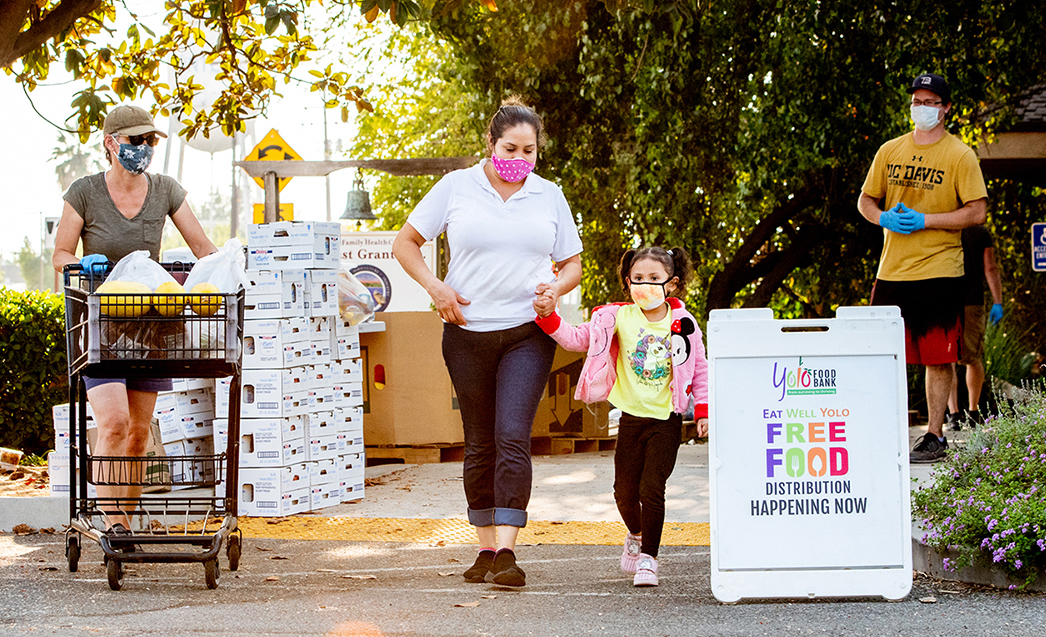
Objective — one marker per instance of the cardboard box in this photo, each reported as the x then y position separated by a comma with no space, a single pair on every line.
265,492
350,464
314,234
262,306
347,371
176,426
60,415
222,386
352,489
325,495
321,329
321,293
288,285
348,395
268,442
274,393
323,471
196,401
345,343
349,420
276,343
188,384
58,473
349,444
408,395
322,448
321,423
559,412
290,258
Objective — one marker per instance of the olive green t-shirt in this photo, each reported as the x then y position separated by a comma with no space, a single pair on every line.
108,232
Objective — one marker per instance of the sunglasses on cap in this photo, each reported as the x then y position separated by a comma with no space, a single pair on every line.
137,140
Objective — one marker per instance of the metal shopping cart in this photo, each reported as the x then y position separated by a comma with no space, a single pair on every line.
137,335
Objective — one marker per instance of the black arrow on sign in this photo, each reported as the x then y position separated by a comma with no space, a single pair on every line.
264,151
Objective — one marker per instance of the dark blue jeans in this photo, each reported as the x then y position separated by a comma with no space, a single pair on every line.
643,460
499,378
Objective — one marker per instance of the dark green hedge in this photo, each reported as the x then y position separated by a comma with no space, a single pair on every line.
33,374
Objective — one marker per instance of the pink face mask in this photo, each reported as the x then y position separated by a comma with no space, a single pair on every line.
511,170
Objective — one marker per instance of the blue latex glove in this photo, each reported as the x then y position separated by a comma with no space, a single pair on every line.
996,314
896,221
94,263
918,218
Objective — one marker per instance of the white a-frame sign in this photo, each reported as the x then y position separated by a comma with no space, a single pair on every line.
808,455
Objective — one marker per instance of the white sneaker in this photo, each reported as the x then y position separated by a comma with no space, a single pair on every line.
646,571
630,556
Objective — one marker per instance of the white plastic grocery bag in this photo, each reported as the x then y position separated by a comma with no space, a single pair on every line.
224,269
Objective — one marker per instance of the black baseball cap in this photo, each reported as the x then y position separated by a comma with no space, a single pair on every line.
934,83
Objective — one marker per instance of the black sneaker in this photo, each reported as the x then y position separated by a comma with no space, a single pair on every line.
117,530
953,423
506,571
975,419
477,573
928,448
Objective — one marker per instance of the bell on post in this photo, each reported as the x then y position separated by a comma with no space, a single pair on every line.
357,206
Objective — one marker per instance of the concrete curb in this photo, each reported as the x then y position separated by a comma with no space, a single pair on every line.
39,512
926,559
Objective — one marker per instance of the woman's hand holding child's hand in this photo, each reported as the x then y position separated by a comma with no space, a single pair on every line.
545,301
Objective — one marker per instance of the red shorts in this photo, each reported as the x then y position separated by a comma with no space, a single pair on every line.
938,346
932,311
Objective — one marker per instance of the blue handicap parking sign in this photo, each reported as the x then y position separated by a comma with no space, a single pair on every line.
1038,247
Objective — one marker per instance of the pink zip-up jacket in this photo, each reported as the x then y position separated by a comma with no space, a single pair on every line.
599,373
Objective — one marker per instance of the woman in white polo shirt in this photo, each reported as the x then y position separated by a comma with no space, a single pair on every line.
505,227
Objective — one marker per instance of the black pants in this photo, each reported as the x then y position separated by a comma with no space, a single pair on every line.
500,378
644,459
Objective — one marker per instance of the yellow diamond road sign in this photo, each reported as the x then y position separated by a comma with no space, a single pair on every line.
273,148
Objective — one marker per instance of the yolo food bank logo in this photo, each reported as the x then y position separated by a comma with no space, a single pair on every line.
803,380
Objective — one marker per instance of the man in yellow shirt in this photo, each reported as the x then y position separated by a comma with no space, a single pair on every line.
923,188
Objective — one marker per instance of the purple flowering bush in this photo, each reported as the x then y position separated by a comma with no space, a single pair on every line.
987,497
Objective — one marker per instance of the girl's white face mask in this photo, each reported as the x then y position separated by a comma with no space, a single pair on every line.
925,117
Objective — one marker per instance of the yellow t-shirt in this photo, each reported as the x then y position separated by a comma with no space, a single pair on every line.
931,179
644,365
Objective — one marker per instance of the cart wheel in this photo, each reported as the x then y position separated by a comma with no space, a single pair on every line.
233,551
211,572
72,552
115,572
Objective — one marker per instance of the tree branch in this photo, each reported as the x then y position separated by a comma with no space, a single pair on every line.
787,260
738,272
58,20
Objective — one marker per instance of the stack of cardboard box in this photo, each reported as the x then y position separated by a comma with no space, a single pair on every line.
301,429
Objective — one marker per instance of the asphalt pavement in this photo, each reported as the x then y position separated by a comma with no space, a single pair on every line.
293,586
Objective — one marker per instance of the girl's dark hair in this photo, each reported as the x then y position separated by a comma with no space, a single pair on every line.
514,112
675,260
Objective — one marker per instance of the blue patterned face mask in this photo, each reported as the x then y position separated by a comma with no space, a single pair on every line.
135,158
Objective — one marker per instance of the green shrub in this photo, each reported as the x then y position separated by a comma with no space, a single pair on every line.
1006,356
985,497
33,373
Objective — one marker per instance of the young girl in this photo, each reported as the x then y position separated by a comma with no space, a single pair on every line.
647,359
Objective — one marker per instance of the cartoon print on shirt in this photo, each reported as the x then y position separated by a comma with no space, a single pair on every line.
651,359
681,330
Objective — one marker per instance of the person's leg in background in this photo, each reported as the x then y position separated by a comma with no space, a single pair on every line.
974,384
